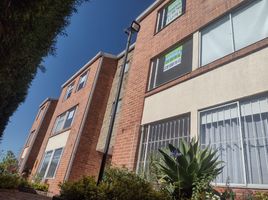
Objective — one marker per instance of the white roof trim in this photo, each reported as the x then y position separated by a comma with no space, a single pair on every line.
46,100
148,10
121,54
100,54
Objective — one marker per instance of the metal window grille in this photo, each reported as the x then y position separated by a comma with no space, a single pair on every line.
239,131
158,135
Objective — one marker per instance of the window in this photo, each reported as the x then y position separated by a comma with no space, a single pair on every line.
64,121
82,81
50,163
234,31
69,91
169,13
171,65
159,134
69,119
45,163
54,163
31,137
239,131
40,113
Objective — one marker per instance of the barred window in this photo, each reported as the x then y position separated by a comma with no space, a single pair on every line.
159,134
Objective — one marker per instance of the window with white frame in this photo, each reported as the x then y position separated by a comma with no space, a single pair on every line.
69,91
239,131
82,81
50,163
40,113
158,135
30,139
171,64
64,121
240,28
169,13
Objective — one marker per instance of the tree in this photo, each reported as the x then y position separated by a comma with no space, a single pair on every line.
28,32
9,163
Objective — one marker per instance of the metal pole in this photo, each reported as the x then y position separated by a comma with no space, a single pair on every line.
117,97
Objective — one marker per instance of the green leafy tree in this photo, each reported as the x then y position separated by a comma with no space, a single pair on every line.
28,32
9,163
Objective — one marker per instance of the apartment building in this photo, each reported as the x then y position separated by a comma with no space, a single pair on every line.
69,148
36,135
110,105
200,69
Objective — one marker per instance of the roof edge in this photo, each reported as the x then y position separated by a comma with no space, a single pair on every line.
46,100
148,10
98,55
122,53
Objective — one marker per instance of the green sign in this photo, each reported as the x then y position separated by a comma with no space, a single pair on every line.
174,10
173,58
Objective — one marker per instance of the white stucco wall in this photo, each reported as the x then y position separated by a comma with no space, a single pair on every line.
240,78
57,141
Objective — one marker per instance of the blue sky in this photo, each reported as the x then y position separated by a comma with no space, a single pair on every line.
98,26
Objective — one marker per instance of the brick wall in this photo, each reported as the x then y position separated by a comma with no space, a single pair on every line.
79,98
149,45
87,159
40,127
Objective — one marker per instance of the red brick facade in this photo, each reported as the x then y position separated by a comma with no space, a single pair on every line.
39,127
148,45
80,156
91,101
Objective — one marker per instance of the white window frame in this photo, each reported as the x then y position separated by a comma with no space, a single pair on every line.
246,184
69,91
30,138
230,21
160,23
49,163
65,115
40,113
85,74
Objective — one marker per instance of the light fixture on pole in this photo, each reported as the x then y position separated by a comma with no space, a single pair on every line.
134,28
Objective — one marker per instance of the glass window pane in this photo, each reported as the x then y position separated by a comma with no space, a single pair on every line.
69,118
254,125
220,130
173,11
69,91
54,163
216,41
172,64
250,23
45,163
82,81
59,123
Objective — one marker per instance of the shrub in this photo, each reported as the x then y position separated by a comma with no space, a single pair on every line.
40,186
9,181
118,184
84,189
186,171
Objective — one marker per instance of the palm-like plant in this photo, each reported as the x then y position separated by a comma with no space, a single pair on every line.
183,167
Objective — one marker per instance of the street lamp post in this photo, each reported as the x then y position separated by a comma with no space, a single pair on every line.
134,28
